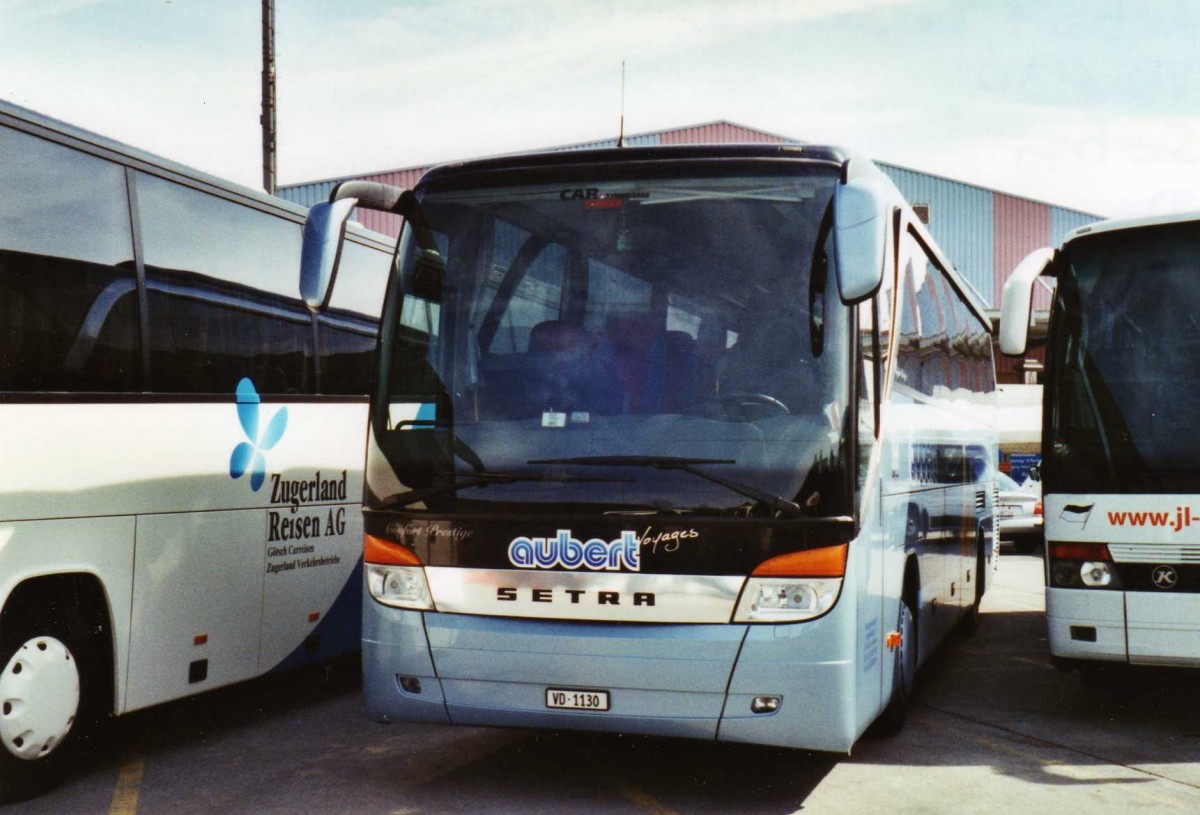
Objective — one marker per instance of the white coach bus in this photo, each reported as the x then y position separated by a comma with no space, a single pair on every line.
689,441
181,437
1121,451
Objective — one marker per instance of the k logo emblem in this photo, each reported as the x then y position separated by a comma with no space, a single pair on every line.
1164,577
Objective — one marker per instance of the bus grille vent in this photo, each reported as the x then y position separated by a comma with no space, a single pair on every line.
1154,553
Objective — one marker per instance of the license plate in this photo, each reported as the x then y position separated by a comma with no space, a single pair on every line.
1005,513
563,699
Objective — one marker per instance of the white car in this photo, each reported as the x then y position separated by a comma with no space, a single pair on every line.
1020,512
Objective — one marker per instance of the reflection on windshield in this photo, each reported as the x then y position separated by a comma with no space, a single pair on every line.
688,318
1127,347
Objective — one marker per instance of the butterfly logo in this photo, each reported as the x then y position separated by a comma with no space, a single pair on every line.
248,455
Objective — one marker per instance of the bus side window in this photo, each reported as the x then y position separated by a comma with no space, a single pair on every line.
68,307
222,295
204,341
346,348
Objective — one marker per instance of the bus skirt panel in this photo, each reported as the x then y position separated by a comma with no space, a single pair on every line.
807,668
1086,624
399,683
651,679
1162,628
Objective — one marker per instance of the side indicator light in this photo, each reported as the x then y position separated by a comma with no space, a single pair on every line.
828,561
893,640
765,704
200,639
378,550
314,616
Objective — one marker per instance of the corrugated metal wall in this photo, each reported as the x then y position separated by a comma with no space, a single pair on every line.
721,133
1063,221
1020,226
307,194
960,218
641,140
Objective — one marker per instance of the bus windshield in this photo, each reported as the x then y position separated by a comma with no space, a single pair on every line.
1125,392
627,344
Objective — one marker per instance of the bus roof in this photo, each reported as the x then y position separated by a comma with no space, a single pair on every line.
1120,224
620,155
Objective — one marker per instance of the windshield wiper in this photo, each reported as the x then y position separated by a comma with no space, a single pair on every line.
786,508
481,479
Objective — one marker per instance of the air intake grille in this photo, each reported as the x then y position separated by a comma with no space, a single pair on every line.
1154,553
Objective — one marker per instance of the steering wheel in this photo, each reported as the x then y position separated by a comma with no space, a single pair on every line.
747,406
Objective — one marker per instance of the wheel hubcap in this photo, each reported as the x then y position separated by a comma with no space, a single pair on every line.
39,696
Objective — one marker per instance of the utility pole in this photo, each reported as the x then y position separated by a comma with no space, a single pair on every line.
268,95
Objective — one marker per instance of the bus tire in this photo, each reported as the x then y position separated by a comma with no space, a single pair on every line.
971,620
891,721
52,684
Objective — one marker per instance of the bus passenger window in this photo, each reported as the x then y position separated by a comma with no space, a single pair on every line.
205,341
68,307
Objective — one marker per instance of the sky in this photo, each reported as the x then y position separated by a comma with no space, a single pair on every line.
1087,104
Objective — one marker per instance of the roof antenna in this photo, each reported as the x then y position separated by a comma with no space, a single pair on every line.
621,134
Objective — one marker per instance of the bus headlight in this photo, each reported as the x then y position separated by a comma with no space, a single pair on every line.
1096,575
775,600
1082,566
399,586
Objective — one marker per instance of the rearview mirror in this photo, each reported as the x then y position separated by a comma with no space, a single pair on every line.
324,232
860,219
1016,301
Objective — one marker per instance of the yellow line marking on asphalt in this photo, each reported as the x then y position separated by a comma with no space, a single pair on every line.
129,782
643,799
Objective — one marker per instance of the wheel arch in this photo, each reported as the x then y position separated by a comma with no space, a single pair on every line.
76,599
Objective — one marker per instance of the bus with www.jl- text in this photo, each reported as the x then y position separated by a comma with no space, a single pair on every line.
1121,455
687,441
182,436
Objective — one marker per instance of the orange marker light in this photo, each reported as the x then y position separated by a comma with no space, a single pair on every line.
828,561
893,640
378,550
200,639
314,616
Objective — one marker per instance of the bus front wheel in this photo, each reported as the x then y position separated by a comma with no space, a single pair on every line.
47,701
891,721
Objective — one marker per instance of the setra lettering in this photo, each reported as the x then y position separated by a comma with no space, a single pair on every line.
512,594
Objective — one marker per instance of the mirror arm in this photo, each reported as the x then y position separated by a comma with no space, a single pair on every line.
1016,301
370,195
